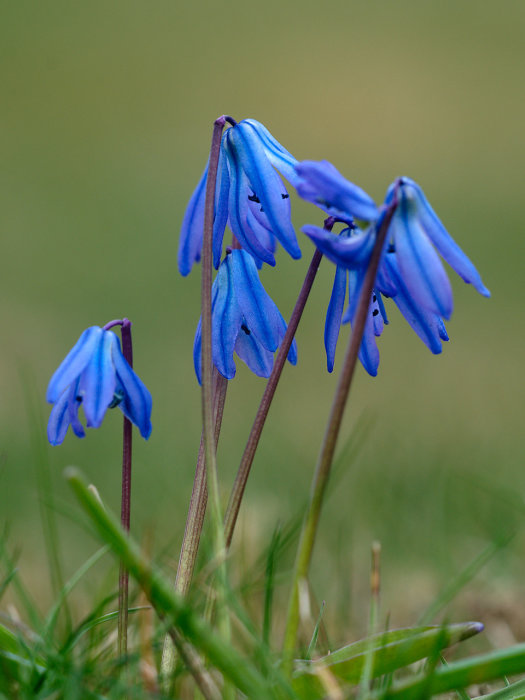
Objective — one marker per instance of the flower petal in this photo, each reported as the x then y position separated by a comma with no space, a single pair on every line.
266,184
443,241
222,189
59,420
334,315
190,241
74,363
238,207
250,350
419,264
261,314
321,183
74,402
98,381
226,320
428,326
136,403
278,156
349,252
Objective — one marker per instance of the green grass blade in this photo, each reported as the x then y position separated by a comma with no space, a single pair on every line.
66,589
463,578
166,602
388,651
460,674
516,691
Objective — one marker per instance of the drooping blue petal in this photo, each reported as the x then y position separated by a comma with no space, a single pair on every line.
221,203
334,315
197,349
250,350
443,241
59,420
419,264
98,381
226,320
321,183
197,343
349,252
74,363
239,205
368,350
278,156
74,401
261,314
136,403
428,326
266,184
190,241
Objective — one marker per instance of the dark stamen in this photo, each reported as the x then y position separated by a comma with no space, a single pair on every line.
254,198
245,328
375,312
285,196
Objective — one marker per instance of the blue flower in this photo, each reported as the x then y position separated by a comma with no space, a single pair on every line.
249,195
245,320
96,375
411,271
416,235
350,250
321,183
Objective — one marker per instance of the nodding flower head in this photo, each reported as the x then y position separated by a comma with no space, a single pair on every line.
249,195
322,184
411,271
245,320
96,375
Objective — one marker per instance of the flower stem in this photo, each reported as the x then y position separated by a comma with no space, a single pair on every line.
324,463
194,524
123,581
243,472
208,431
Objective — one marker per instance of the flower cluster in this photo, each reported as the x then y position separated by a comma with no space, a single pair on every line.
410,271
251,197
95,375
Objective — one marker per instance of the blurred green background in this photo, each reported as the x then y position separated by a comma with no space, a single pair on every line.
105,126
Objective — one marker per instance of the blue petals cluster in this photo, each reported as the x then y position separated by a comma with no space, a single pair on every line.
410,271
245,320
249,196
96,375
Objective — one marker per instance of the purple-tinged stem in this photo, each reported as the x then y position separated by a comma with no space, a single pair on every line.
243,472
125,509
324,463
194,524
208,431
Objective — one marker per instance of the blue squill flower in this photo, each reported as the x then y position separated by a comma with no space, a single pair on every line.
350,250
96,375
249,195
321,183
416,236
245,320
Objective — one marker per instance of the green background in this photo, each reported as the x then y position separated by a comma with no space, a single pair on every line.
106,117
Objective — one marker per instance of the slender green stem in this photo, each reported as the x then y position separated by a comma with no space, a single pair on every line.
243,472
208,431
326,456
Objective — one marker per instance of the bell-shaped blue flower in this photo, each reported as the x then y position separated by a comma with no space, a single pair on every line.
96,375
417,236
321,183
245,320
249,195
353,248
